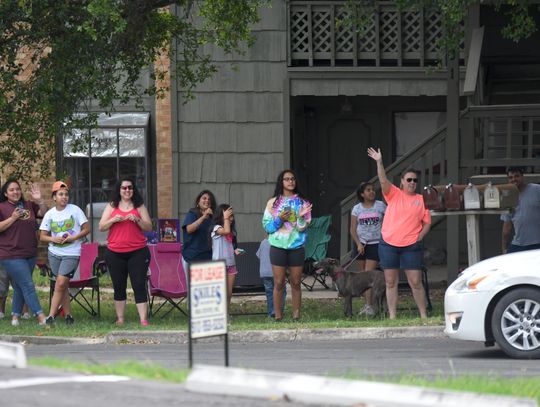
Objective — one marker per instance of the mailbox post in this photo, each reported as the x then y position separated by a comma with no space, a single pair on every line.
472,220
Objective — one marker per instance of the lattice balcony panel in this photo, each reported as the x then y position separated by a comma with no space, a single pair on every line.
391,37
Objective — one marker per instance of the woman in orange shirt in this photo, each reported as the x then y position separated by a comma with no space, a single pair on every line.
405,224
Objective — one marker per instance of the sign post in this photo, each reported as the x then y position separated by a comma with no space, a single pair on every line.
207,303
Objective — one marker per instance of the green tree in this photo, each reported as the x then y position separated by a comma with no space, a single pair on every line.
58,55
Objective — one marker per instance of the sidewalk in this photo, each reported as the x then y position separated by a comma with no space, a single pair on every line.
436,276
258,336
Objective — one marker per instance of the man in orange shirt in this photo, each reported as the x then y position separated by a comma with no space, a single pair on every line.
405,224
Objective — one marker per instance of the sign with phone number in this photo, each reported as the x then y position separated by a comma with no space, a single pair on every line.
208,299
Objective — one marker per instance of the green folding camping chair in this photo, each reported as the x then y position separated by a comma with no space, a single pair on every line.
316,246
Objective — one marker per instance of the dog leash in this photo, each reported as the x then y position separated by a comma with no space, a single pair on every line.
348,264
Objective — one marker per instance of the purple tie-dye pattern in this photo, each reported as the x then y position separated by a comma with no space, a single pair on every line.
290,234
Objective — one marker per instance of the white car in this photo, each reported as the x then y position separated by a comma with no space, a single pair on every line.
498,301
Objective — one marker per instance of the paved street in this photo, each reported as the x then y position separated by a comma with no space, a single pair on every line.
132,393
370,357
425,357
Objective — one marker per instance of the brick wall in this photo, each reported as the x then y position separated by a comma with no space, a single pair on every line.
163,141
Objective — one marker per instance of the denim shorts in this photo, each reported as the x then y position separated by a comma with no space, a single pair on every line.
405,258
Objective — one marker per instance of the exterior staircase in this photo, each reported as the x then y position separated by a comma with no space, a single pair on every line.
492,137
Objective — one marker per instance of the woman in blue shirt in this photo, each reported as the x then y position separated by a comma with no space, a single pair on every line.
196,228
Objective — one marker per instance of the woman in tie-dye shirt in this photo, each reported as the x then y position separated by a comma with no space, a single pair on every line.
286,218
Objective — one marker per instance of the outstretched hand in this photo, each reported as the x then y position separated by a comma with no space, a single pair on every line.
375,154
305,209
35,193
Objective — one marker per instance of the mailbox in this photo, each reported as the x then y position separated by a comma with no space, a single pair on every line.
491,197
471,197
453,197
509,195
432,198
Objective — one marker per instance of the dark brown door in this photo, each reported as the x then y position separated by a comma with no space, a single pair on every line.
338,161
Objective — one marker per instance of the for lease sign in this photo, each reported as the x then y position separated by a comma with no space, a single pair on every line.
208,299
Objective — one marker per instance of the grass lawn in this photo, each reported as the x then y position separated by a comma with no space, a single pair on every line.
517,387
248,313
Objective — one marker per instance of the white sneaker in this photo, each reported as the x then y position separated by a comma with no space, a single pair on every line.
2,315
367,310
26,315
15,322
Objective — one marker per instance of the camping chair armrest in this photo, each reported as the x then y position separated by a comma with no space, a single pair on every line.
101,268
44,269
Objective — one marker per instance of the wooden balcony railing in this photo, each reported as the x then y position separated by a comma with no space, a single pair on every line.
503,135
318,37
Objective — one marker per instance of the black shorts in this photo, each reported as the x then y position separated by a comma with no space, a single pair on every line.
371,252
287,257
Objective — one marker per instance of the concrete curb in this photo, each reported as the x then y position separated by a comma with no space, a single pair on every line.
12,355
49,340
337,392
281,335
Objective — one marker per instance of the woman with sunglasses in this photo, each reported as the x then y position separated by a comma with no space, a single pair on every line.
405,224
126,218
286,218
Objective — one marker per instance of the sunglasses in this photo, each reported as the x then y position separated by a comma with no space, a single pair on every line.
287,179
412,180
127,188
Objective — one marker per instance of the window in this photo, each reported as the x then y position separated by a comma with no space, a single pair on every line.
117,148
411,128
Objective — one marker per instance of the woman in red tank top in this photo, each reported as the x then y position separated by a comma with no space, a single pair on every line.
126,218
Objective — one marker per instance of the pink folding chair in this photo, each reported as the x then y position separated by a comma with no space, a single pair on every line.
167,277
87,276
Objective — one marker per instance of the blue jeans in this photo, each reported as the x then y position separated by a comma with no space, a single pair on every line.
515,248
24,291
268,283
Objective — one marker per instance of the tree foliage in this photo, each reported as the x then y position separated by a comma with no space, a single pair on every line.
57,56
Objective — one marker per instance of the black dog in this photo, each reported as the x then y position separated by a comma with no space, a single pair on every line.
353,284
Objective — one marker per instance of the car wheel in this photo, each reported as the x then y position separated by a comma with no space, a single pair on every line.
516,323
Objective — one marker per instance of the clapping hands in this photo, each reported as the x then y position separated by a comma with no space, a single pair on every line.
117,218
61,239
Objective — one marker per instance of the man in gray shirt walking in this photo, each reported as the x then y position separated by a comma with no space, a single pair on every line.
525,219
